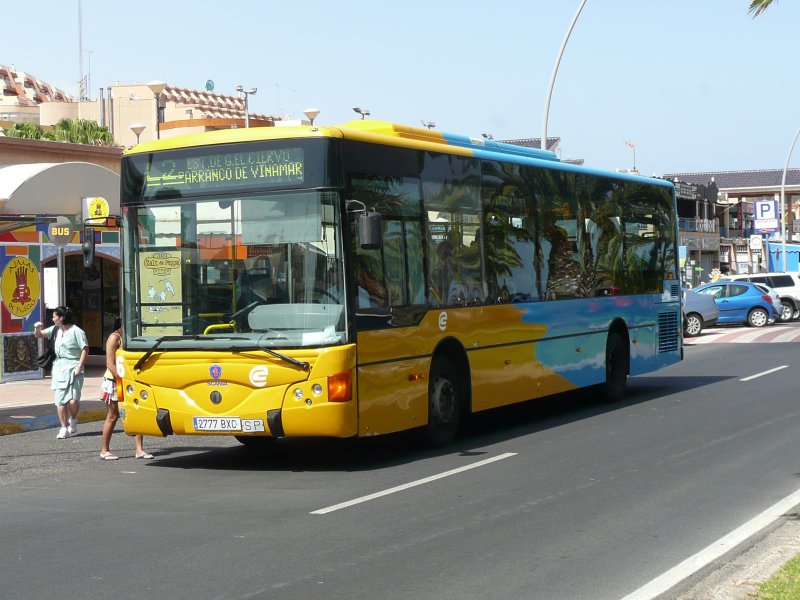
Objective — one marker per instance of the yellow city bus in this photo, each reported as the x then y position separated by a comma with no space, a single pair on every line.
371,278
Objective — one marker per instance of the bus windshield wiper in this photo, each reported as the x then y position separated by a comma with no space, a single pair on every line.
164,338
292,361
173,338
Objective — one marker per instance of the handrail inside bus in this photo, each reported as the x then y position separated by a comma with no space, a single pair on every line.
219,326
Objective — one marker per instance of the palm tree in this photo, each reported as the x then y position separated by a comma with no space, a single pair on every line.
82,131
76,131
29,131
759,6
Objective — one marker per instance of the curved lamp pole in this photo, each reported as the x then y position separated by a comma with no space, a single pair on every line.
783,202
555,71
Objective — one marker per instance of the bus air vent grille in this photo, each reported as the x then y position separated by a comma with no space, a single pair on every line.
675,291
668,333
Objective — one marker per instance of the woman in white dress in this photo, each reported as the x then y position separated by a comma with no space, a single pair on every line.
66,381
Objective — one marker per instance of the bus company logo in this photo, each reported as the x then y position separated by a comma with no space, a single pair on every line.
216,372
443,321
258,376
20,286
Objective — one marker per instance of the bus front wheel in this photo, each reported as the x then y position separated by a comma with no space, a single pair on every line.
445,403
616,367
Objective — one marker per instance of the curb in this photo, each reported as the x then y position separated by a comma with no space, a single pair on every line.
10,424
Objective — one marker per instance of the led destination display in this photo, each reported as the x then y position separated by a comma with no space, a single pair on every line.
199,172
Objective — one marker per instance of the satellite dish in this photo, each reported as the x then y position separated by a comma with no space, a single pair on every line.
209,86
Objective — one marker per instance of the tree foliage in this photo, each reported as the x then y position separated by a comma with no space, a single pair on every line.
759,6
28,131
75,131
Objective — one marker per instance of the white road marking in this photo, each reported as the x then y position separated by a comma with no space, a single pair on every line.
788,336
405,486
751,336
709,554
757,375
706,337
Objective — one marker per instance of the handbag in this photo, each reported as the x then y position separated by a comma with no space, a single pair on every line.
45,359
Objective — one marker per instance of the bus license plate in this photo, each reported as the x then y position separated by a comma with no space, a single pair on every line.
252,425
217,424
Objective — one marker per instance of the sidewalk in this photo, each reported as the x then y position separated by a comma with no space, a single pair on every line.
28,405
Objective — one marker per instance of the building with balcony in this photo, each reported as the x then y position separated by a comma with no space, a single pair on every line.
23,94
738,193
132,112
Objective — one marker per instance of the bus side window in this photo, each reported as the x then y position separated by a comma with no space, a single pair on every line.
452,201
560,258
509,230
391,276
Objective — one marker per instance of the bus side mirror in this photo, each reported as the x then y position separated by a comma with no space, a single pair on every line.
88,247
370,230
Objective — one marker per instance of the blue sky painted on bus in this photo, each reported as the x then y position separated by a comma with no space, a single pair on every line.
694,85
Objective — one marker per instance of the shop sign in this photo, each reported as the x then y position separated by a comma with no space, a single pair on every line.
20,285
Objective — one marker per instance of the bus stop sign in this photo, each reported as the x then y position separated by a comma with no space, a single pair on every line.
60,232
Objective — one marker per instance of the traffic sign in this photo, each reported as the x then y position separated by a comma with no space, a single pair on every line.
766,217
60,232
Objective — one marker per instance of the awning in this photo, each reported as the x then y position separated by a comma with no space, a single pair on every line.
48,189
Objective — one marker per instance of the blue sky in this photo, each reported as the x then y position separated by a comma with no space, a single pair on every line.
696,85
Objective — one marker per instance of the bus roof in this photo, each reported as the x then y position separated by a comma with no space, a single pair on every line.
382,132
373,131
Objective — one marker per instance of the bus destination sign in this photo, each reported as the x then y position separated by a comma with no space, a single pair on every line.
198,172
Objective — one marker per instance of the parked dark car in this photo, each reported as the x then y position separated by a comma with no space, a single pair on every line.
740,302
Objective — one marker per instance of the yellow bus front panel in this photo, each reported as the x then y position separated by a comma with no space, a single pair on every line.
240,391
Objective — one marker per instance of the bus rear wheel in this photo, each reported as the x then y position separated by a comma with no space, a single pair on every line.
616,367
445,403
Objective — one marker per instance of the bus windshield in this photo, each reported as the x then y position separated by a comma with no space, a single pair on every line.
228,272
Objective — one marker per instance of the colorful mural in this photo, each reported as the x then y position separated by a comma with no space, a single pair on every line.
92,293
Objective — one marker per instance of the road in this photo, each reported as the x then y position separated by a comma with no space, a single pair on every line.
564,498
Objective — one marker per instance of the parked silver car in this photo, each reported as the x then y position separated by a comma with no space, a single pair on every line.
776,300
699,311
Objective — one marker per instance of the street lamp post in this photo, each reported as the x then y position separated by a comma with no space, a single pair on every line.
157,87
311,114
428,124
137,128
783,202
361,111
553,76
632,146
241,90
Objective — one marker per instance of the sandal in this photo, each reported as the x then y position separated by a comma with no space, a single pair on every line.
145,456
108,456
